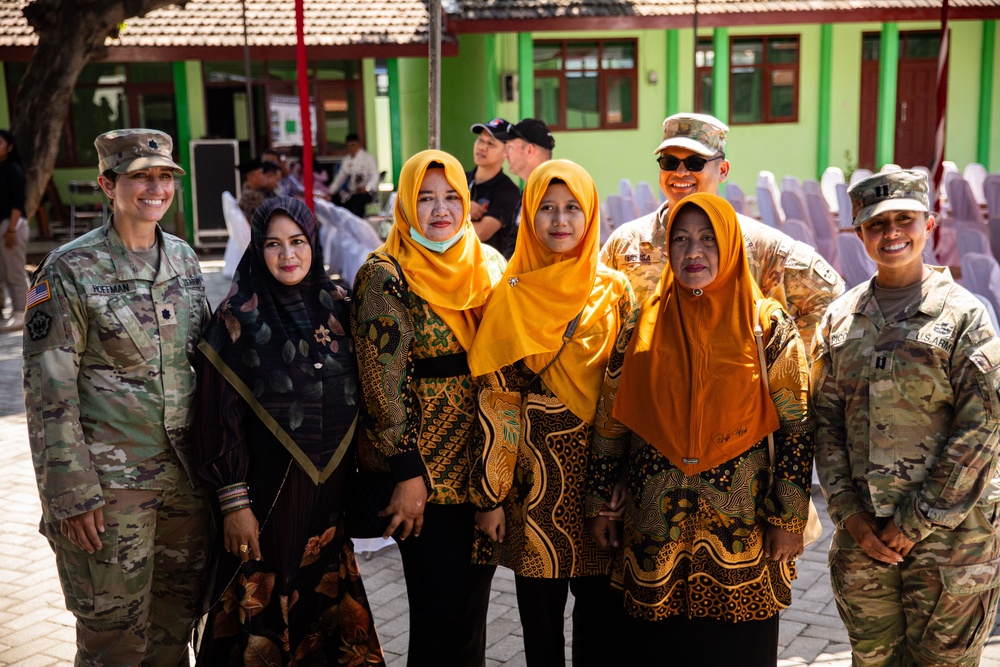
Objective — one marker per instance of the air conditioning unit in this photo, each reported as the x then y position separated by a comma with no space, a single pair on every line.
508,87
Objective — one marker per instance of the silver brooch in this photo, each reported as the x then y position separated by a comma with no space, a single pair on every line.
697,291
512,281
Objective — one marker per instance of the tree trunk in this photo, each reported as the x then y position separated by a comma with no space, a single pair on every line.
71,33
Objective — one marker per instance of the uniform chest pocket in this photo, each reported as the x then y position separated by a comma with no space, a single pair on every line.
122,336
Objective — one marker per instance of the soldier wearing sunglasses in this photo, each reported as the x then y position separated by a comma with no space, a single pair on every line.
692,159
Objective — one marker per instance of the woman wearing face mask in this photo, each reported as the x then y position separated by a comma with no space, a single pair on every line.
709,538
416,306
279,402
548,331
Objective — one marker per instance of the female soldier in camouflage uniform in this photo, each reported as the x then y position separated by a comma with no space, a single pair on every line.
112,321
905,389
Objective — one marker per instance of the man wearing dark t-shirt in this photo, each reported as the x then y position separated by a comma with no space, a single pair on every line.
495,200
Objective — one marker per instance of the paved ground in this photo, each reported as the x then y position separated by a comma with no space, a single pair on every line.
36,630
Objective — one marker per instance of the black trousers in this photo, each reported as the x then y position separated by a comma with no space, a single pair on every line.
355,203
448,595
706,642
597,621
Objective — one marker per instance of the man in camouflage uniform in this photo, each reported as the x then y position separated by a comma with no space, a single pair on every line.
905,385
111,327
692,160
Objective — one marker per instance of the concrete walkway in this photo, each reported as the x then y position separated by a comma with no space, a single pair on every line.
36,630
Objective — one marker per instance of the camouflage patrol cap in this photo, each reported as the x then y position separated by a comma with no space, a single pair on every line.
888,191
123,151
701,133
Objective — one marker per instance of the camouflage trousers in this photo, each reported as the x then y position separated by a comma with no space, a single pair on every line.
936,608
137,598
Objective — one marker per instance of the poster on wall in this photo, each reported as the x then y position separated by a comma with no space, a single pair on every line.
286,125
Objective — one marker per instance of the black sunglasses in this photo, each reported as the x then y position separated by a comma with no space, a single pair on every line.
691,162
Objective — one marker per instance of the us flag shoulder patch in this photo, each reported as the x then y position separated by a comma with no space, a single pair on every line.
38,294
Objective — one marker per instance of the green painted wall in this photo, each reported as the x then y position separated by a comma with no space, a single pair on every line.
4,103
961,128
994,164
413,105
466,86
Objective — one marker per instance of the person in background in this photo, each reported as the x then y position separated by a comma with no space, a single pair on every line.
529,144
691,157
495,199
415,309
540,385
278,385
254,189
711,530
13,233
112,321
905,386
275,187
356,182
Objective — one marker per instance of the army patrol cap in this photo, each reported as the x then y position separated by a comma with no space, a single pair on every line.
123,151
701,133
888,191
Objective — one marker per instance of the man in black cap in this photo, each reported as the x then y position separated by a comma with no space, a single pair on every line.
529,145
495,199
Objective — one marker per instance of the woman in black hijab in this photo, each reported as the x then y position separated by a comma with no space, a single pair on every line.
278,386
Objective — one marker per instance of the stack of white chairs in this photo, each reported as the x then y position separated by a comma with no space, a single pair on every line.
975,175
618,212
766,181
981,275
347,240
856,266
832,176
824,228
844,206
645,199
239,234
860,174
735,196
991,192
628,196
799,231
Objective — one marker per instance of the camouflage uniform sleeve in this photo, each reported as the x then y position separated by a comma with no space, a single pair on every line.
609,438
833,462
494,457
968,461
383,338
810,286
54,342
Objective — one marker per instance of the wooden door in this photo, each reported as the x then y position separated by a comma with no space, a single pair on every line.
916,95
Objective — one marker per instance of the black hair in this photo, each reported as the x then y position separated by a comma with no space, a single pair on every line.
352,137
435,165
111,175
14,155
557,181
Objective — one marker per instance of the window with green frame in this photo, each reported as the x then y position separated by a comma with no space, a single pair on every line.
763,79
586,84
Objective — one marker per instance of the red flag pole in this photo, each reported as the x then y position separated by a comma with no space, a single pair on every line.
937,168
302,68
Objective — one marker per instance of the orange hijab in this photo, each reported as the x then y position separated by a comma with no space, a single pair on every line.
455,282
690,384
542,291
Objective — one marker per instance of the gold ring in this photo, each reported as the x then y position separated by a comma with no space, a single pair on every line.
244,548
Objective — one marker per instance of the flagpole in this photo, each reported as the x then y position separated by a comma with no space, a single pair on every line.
302,69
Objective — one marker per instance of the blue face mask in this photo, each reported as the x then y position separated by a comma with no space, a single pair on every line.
436,246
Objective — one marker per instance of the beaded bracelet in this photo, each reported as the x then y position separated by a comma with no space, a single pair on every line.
234,497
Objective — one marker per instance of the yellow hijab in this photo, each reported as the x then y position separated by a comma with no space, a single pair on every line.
542,291
455,282
690,384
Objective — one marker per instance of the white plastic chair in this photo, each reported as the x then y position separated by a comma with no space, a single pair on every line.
793,184
860,174
825,228
618,213
793,203
965,211
981,275
972,240
832,176
857,267
645,199
239,234
736,197
975,175
628,196
765,179
844,205
767,206
890,166
991,191
811,186
347,239
800,231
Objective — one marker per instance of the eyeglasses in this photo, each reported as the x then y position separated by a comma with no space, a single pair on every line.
691,162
